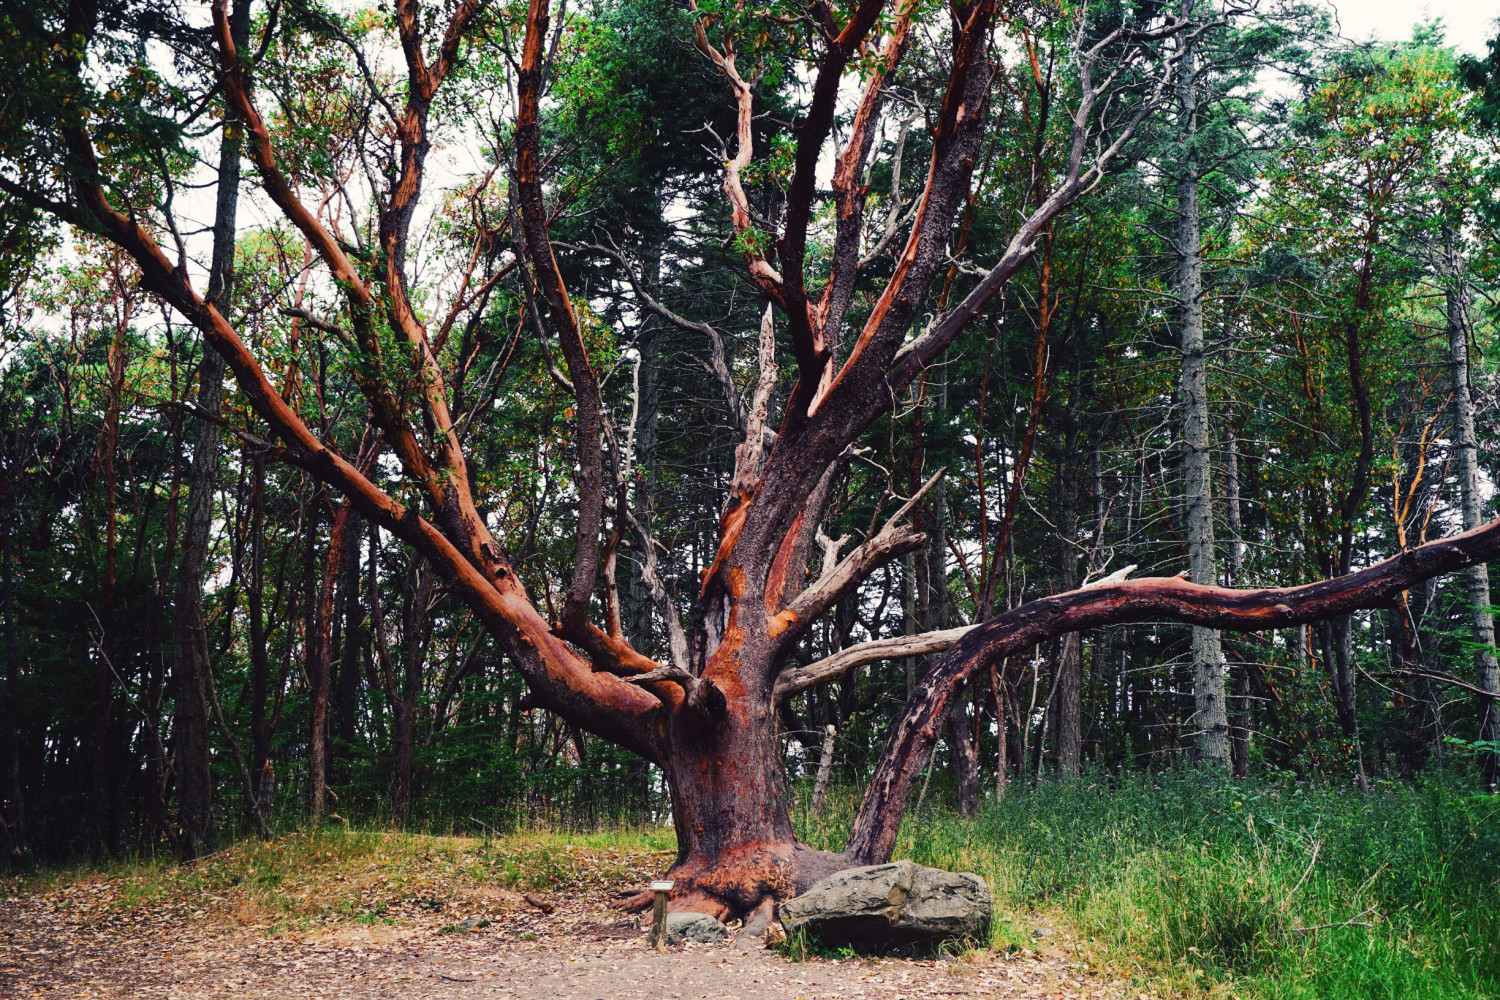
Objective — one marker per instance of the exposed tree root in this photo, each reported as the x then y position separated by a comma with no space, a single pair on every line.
743,884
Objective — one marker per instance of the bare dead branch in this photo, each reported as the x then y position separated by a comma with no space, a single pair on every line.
831,668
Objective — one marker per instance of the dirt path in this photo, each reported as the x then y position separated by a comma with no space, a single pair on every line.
90,939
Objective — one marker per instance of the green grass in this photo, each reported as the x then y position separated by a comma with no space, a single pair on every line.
1266,890
336,875
1272,890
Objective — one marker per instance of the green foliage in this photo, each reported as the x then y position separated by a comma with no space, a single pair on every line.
1275,889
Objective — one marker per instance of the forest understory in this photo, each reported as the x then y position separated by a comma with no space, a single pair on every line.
386,916
1106,887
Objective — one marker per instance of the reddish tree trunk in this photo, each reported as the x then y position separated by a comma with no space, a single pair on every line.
320,658
735,845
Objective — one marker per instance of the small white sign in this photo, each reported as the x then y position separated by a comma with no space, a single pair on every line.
662,886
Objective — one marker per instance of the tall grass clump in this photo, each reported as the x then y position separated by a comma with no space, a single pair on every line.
1275,888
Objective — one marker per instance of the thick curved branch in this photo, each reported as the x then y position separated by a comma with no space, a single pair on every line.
1150,599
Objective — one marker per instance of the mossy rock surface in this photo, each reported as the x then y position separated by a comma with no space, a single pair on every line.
892,905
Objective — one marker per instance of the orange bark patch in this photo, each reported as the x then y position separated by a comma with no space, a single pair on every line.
776,579
729,533
780,623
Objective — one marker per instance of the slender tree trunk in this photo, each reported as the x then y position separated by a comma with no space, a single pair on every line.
317,696
825,768
1239,728
1210,721
1486,667
637,597
636,601
1070,648
415,632
13,807
157,668
346,689
109,446
963,758
262,775
320,653
1002,763
1344,686
190,657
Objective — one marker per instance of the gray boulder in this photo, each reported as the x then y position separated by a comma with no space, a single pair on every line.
696,927
896,904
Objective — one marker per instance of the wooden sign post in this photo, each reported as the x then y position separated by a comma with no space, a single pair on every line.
659,914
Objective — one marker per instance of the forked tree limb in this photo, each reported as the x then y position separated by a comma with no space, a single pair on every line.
1150,599
849,189
810,343
395,217
1081,174
893,539
356,291
813,436
724,57
960,123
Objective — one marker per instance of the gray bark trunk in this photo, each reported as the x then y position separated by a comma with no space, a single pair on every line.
1486,667
1070,649
1210,721
1239,730
825,767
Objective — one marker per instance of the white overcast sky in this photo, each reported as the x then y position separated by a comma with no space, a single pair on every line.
1471,23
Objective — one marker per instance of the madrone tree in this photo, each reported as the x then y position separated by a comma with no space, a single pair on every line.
846,298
